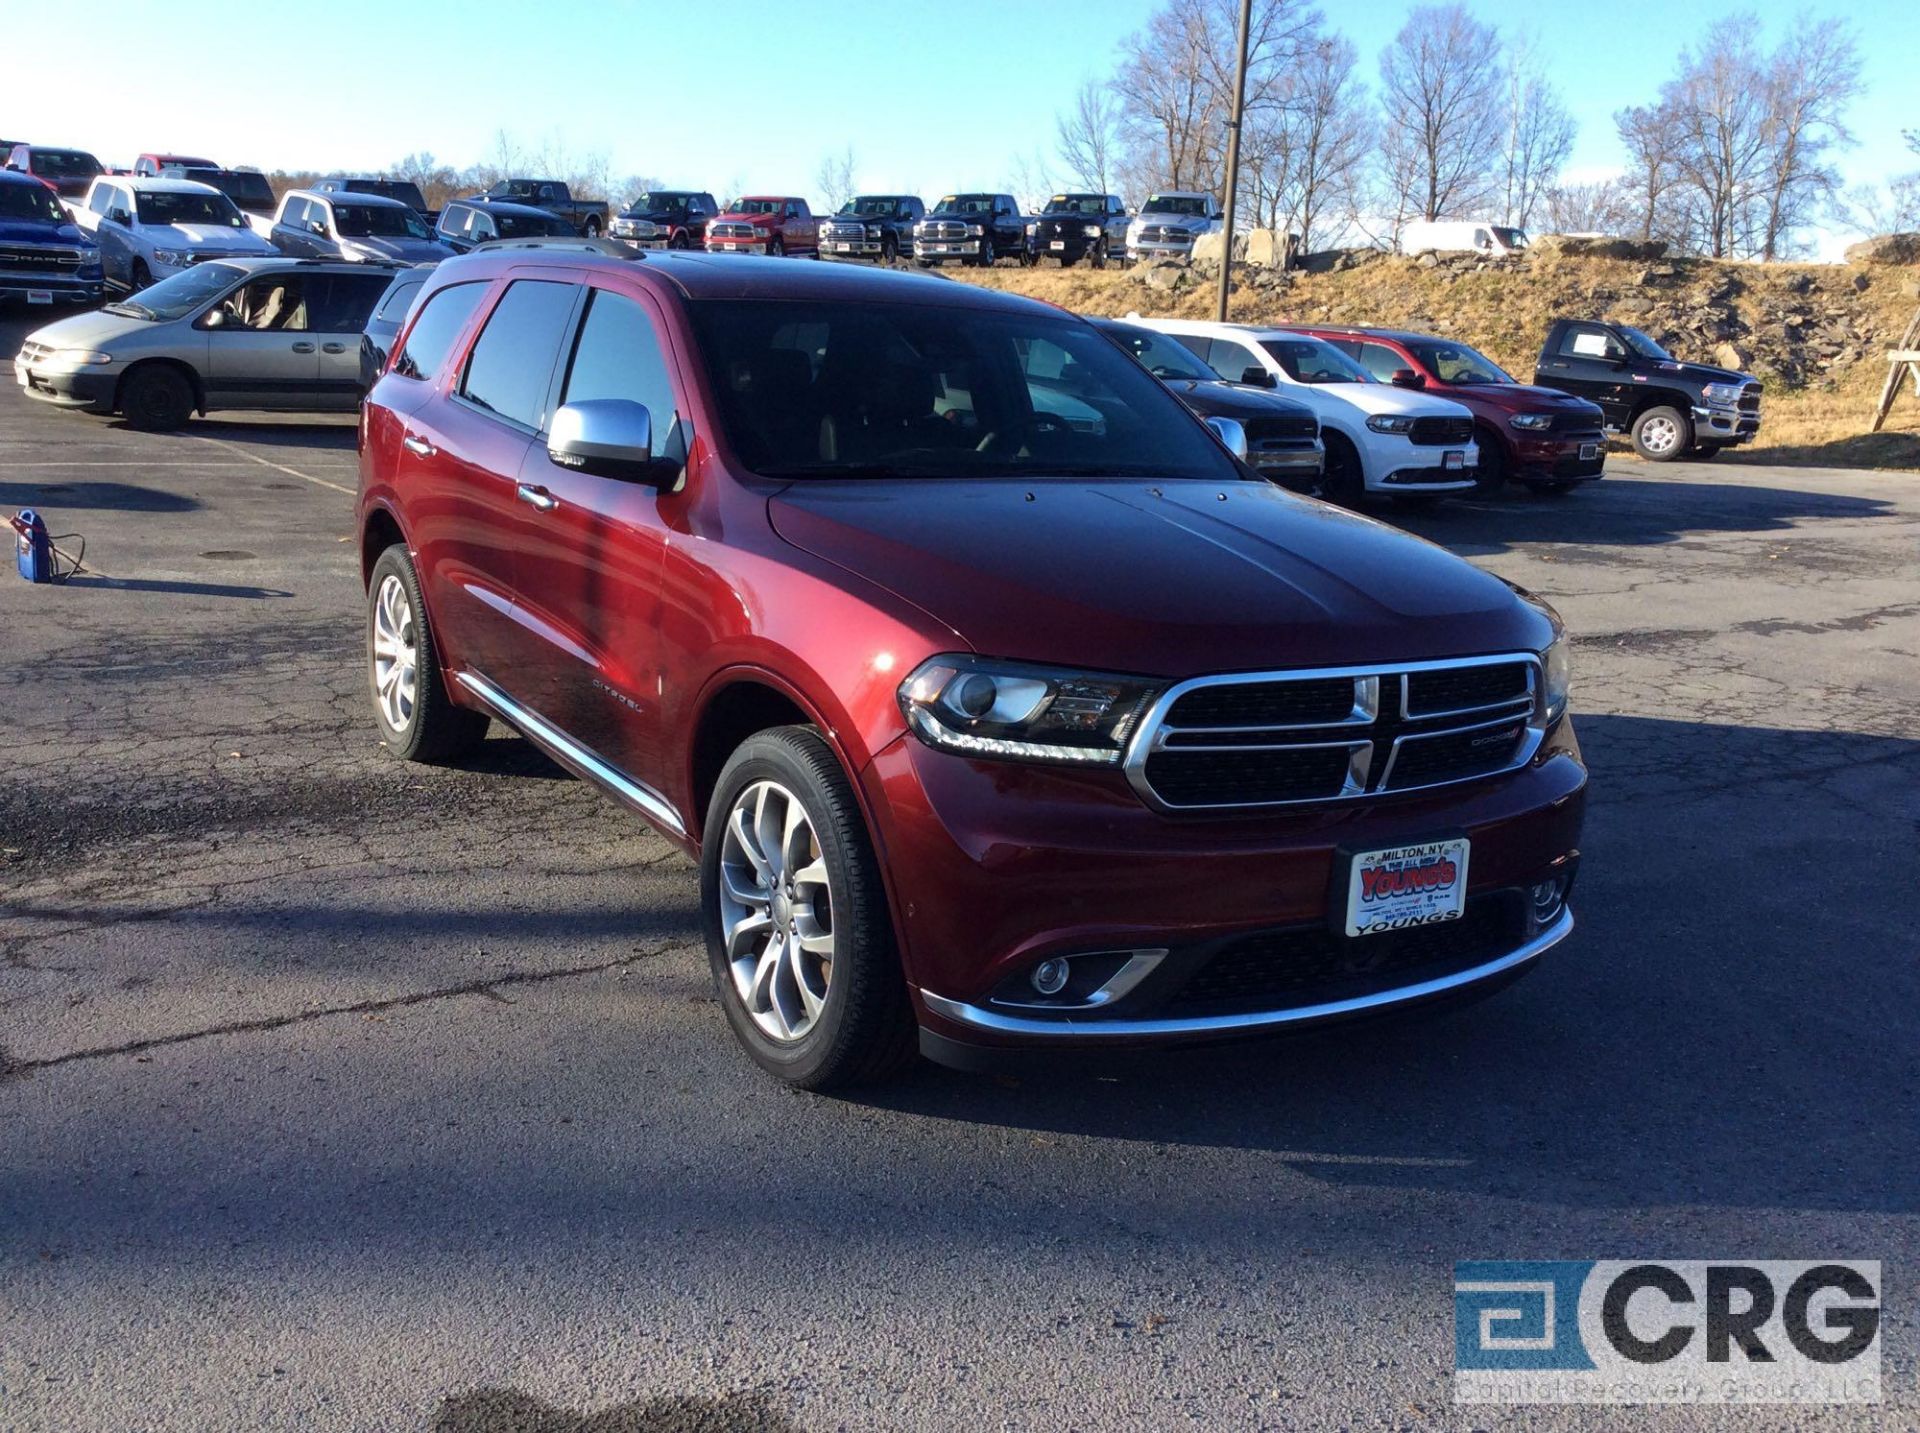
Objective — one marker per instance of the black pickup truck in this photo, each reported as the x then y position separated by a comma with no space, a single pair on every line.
872,226
1080,226
588,216
974,228
1669,409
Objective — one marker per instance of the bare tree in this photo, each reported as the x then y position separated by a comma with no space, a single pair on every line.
1539,135
1653,172
438,182
1030,182
1441,95
1892,207
1607,206
1089,138
1811,79
834,179
1328,137
1721,114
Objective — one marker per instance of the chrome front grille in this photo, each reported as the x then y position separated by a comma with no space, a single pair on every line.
943,232
32,258
32,353
1750,398
1164,234
1284,738
733,233
1437,432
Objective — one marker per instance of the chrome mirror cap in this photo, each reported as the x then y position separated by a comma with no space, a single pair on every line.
1232,435
608,437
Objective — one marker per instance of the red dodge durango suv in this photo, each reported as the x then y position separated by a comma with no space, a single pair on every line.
1001,706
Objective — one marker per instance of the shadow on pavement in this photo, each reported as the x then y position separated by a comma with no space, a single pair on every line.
505,1410
55,496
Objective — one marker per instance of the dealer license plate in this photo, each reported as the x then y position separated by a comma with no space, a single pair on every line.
1405,886
39,296
841,248
1589,451
1453,460
1058,244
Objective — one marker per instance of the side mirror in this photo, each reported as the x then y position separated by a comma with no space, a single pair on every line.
1232,435
216,319
609,438
1407,378
119,216
317,226
1255,376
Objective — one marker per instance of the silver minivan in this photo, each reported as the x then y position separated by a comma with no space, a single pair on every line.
279,334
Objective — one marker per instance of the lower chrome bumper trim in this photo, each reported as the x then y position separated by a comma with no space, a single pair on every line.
1094,1031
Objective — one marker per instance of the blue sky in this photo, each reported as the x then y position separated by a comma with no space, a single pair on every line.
931,97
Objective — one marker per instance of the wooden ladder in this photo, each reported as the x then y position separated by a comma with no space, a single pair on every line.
1902,362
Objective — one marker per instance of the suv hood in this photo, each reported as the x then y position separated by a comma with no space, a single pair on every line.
1385,398
1231,400
1516,398
1168,582
207,236
38,231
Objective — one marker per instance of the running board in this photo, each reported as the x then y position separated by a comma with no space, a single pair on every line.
575,757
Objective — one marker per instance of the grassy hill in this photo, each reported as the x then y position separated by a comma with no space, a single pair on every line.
1816,333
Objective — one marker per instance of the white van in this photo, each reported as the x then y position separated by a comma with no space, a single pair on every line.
1451,236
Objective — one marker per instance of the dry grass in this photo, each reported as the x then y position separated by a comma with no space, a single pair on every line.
1505,312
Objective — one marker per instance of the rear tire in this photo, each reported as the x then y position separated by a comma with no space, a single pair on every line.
1662,434
799,935
156,399
417,720
679,240
592,229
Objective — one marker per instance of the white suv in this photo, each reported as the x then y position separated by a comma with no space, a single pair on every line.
1380,439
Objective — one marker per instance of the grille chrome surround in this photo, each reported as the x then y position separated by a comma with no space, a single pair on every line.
944,231
1386,722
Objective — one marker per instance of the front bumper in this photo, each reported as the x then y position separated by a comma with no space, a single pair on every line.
1723,427
994,867
736,246
933,251
1067,248
1278,464
91,390
37,289
1560,460
1159,250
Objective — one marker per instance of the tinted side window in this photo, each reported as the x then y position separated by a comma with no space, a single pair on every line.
433,333
1381,361
1232,360
399,298
511,367
341,303
619,356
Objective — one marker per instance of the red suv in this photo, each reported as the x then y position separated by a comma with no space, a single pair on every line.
998,702
1551,441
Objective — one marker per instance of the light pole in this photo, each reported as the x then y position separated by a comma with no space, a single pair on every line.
1233,154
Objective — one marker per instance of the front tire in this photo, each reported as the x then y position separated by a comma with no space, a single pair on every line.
799,936
1662,434
418,721
156,399
776,247
1342,480
1493,467
679,240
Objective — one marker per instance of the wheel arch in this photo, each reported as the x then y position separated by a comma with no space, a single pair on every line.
379,531
1660,398
184,369
737,703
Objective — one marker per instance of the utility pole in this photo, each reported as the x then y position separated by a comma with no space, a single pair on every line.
1233,154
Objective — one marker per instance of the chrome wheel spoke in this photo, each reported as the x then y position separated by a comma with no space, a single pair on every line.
776,911
814,873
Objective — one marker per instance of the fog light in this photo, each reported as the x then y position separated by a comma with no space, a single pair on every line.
1549,897
1050,976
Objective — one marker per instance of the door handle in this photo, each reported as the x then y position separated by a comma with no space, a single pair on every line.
536,497
303,348
333,348
417,445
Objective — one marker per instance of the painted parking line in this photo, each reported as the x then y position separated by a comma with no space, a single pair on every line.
277,467
116,463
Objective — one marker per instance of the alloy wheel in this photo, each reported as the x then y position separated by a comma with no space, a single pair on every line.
1660,435
395,653
776,911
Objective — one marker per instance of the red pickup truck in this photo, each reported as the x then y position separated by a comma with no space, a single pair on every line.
765,224
1551,441
1001,707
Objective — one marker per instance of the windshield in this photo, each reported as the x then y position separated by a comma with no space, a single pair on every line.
1644,346
182,294
64,163
663,203
1309,360
874,205
756,206
522,188
214,210
529,226
377,221
1161,356
1176,204
966,204
1077,204
27,200
1456,363
878,390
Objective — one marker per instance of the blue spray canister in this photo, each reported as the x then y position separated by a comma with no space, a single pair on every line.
34,549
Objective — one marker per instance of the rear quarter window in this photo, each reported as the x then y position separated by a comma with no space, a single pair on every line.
433,333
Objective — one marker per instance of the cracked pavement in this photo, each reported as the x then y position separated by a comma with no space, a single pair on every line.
338,1093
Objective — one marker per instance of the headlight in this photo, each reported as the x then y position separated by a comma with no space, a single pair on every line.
166,256
976,230
77,358
1531,422
1092,231
1390,423
978,706
1557,662
1723,394
1033,229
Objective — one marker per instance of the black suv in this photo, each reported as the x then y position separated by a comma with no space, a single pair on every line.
1670,409
973,228
872,226
1079,226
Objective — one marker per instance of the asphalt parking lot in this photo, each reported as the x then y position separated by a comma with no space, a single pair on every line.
339,1093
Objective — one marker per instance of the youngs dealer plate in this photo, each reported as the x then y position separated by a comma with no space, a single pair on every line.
1406,886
